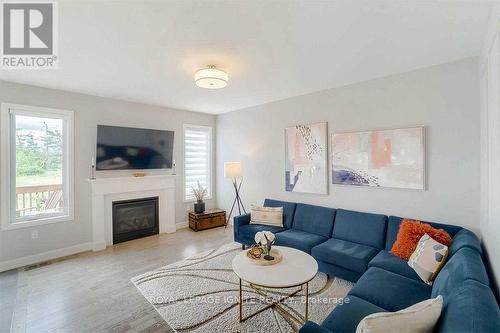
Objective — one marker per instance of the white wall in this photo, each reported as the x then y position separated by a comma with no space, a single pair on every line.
444,98
90,111
490,142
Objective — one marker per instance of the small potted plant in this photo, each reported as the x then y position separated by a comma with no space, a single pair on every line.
266,240
200,193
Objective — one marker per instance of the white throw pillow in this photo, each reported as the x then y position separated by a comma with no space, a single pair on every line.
418,318
267,215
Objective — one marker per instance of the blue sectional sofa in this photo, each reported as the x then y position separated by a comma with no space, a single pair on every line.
355,246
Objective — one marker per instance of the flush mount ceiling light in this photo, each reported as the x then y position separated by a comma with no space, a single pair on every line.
211,78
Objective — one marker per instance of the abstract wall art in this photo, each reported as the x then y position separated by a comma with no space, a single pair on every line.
306,158
381,158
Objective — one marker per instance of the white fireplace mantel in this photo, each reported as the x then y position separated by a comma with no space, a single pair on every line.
107,190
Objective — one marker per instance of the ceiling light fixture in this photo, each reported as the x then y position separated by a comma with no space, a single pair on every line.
211,78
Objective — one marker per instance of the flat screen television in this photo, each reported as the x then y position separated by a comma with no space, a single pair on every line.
123,148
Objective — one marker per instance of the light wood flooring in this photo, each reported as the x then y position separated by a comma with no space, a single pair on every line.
92,292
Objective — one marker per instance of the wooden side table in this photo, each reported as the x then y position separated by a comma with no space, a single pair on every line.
210,218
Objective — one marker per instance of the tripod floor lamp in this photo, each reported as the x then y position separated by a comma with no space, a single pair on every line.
232,170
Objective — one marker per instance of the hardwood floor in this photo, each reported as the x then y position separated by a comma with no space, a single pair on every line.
92,292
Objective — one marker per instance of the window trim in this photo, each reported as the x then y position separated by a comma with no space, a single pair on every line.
6,164
210,160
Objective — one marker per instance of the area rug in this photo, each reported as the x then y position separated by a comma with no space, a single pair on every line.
200,294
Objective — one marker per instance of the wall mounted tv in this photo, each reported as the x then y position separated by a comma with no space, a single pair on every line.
124,148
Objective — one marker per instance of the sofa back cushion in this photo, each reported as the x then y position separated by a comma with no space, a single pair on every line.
395,221
464,238
466,264
288,210
314,219
471,307
362,228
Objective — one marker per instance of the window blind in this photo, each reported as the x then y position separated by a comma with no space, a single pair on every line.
197,159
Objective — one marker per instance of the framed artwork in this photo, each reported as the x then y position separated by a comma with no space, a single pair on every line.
381,158
306,156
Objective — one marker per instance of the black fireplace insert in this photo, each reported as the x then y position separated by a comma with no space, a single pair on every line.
135,219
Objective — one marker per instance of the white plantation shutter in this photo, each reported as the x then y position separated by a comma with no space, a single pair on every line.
197,159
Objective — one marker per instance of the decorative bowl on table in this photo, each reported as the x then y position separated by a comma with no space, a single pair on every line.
256,255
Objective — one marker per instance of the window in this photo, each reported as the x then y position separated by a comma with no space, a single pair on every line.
37,165
197,159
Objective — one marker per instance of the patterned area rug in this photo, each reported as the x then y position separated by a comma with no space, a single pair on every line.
200,294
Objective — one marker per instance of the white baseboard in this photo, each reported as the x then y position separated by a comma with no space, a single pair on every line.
66,251
180,225
41,257
98,246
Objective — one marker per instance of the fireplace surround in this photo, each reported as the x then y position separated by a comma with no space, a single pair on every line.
107,190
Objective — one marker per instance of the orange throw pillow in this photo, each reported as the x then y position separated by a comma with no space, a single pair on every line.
410,232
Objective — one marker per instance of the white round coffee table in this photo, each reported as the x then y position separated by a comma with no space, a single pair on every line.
296,269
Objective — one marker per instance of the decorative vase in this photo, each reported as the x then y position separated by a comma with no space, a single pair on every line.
199,207
264,248
267,250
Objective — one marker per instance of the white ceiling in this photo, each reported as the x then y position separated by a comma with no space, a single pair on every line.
148,51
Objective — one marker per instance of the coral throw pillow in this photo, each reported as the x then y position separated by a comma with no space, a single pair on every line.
409,234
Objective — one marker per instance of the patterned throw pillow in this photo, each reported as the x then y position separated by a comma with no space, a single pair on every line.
267,215
410,232
428,258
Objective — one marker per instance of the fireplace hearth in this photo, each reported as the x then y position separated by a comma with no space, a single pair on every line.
134,219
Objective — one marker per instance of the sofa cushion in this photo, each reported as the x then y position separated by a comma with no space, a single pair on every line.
393,228
465,264
464,238
314,219
338,271
346,316
249,230
388,290
363,228
288,210
301,240
345,254
312,327
470,307
388,261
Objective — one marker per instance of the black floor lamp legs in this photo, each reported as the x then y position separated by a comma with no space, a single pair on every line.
237,200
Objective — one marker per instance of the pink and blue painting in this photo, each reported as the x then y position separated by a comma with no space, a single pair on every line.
306,158
380,158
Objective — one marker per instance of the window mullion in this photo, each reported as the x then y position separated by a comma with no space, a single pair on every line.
13,202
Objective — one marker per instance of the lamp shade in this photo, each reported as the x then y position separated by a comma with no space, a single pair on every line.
232,170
